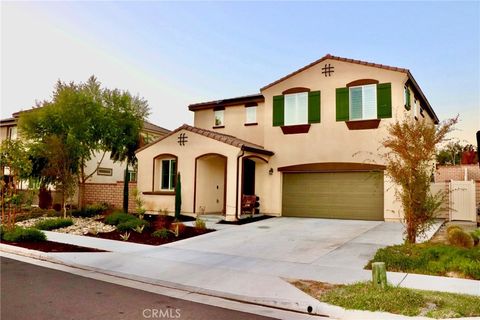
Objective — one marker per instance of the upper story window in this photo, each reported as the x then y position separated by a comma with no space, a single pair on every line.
12,132
251,114
363,102
406,97
219,118
296,108
165,173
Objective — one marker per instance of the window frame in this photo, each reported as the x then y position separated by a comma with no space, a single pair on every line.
297,109
219,114
363,117
252,109
157,181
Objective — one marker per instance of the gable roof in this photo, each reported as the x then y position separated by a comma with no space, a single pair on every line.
225,138
153,127
257,97
411,79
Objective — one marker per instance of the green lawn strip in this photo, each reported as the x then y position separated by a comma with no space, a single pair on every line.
431,259
409,302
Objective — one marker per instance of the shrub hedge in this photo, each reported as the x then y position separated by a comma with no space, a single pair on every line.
19,234
51,224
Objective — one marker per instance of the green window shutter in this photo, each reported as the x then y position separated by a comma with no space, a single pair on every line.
407,105
314,107
384,100
278,111
341,103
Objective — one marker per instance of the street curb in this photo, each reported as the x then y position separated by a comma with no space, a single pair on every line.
319,309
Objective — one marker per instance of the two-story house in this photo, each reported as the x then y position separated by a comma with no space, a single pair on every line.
306,145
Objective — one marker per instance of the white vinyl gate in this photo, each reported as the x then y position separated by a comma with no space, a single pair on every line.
461,198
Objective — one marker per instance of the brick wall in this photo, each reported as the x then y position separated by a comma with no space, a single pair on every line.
447,173
111,193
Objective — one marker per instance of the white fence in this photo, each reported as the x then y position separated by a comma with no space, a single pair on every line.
461,199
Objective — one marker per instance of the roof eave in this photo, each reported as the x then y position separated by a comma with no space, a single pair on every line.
423,97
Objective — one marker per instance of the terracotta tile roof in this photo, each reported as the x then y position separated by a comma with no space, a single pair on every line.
225,138
257,97
411,79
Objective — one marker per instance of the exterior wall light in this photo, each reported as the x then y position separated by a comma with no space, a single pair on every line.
270,172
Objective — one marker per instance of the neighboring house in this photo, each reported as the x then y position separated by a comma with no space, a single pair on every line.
306,145
106,185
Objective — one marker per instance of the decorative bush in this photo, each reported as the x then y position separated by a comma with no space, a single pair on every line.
118,217
460,238
91,210
453,227
162,233
23,234
131,224
51,224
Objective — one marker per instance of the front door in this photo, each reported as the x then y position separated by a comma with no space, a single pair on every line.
248,177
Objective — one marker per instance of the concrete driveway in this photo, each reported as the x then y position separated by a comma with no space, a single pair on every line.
322,242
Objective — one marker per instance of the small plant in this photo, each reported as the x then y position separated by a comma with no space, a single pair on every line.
51,224
163,211
200,224
125,236
139,229
131,224
93,231
460,238
177,228
162,233
475,237
91,210
118,217
19,234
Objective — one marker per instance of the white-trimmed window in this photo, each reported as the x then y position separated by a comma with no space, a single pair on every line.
251,114
219,118
363,102
12,132
104,171
296,108
415,107
167,174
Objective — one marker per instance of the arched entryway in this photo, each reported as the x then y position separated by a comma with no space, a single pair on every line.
210,183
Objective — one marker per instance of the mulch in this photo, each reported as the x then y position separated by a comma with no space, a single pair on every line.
51,246
146,238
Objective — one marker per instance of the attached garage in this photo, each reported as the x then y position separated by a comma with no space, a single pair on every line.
333,194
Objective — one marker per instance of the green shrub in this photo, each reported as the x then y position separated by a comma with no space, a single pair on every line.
131,224
53,213
460,238
19,234
90,210
51,224
162,233
476,237
453,227
118,217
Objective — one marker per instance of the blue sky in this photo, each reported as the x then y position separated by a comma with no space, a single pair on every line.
174,54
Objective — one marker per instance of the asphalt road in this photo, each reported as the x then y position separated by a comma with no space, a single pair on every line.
33,292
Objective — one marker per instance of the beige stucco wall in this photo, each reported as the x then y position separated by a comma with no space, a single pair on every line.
3,133
331,141
196,146
234,118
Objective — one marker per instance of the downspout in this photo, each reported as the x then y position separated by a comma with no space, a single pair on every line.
238,174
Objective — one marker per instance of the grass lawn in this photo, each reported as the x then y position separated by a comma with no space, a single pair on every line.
431,258
409,302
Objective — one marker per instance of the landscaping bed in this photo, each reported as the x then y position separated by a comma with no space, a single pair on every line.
452,252
409,302
50,246
146,236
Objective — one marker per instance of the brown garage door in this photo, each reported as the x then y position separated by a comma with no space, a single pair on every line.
339,195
